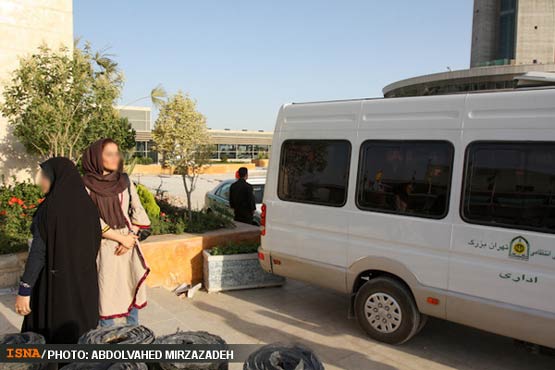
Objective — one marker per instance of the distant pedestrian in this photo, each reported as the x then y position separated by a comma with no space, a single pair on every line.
241,198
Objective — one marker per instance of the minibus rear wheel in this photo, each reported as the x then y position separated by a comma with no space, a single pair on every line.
386,310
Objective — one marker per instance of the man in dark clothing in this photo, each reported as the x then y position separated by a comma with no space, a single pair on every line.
241,198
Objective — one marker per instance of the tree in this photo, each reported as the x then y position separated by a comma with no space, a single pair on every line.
59,103
182,139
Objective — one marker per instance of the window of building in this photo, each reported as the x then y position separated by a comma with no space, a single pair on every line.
145,149
214,151
244,152
507,21
405,177
228,151
510,184
260,149
314,171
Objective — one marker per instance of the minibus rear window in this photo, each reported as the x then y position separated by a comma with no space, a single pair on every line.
314,171
408,177
510,184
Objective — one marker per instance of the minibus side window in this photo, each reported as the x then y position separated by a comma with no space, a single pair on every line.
314,171
409,177
510,184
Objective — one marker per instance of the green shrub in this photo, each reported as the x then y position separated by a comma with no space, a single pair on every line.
143,160
235,248
262,155
174,220
203,222
224,158
18,203
149,202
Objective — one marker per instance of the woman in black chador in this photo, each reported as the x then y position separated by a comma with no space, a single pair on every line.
58,293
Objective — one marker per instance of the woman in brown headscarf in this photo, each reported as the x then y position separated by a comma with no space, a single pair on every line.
121,265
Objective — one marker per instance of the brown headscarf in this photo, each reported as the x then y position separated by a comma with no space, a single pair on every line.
105,189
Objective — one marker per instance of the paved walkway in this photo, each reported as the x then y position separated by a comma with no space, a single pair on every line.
301,313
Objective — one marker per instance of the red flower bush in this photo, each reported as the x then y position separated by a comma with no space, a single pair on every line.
17,202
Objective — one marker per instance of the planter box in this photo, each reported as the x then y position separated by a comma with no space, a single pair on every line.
223,168
11,268
261,162
152,169
236,271
177,259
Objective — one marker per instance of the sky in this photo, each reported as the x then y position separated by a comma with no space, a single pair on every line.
241,60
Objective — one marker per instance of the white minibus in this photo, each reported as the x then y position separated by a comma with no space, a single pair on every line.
438,206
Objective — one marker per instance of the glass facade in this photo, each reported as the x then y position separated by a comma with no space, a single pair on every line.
238,151
507,22
145,149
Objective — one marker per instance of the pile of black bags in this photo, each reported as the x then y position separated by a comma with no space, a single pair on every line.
269,357
191,337
124,334
283,357
102,366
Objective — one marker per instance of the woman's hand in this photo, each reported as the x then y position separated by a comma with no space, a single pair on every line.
120,249
23,305
128,241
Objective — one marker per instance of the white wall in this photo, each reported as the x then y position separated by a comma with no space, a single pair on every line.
24,25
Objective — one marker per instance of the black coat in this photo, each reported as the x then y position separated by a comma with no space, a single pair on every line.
64,300
241,199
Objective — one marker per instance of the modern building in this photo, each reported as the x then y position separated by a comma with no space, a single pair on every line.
227,144
140,120
240,145
509,38
25,25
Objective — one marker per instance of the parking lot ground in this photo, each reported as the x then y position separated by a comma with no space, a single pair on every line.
173,185
301,313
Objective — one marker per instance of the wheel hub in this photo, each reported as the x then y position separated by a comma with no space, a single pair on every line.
383,312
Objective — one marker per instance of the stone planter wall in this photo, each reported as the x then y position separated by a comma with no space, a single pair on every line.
152,169
173,259
236,271
177,259
11,269
213,169
221,168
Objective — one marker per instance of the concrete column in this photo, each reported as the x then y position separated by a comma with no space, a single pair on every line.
484,31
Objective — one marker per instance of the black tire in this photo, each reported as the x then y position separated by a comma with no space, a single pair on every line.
410,318
423,321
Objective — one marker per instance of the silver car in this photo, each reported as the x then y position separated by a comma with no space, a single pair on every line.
217,199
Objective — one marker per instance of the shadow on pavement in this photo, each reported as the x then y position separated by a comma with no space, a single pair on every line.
319,311
267,334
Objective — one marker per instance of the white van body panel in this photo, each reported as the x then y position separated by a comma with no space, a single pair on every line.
465,264
320,230
475,269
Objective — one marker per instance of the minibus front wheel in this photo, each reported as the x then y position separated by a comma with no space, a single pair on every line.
386,310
